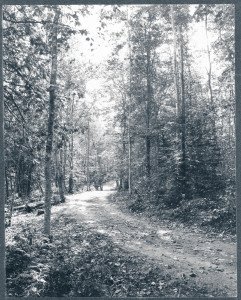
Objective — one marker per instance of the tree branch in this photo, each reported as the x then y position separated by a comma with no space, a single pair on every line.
26,21
20,113
34,22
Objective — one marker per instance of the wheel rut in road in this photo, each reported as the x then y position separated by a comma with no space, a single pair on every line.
193,255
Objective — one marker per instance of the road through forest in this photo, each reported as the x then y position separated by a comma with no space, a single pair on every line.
207,259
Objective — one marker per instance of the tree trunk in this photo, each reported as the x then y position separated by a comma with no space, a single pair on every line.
61,188
159,178
12,200
148,112
19,176
209,64
49,143
88,158
210,89
6,185
71,176
148,156
64,165
59,175
148,107
71,179
183,123
11,184
40,184
125,155
30,181
175,74
129,156
129,110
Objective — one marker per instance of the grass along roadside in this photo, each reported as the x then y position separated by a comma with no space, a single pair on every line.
198,213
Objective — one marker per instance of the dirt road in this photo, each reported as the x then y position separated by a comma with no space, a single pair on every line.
209,260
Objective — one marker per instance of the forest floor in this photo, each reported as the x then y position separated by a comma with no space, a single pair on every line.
201,264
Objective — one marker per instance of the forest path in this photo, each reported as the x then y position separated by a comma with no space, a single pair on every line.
209,261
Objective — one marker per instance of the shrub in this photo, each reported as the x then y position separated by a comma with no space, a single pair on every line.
58,282
17,260
18,285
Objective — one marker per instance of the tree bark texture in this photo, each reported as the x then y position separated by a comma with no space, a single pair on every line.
209,63
49,143
59,174
129,110
148,106
88,158
183,120
175,73
71,176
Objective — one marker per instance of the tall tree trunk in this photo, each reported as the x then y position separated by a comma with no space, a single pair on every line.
12,201
100,172
39,183
30,179
160,180
71,179
6,184
129,153
19,175
64,165
71,176
175,28
49,143
148,110
60,175
209,64
210,89
124,155
183,122
129,109
175,73
88,158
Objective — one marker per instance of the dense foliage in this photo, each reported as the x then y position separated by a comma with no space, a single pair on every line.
157,115
172,121
139,95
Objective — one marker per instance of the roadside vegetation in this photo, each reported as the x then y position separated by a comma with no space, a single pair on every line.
200,212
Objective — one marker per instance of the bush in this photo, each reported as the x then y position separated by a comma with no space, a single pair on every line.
58,282
17,260
18,285
222,219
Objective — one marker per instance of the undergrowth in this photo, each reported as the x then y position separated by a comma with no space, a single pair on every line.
202,212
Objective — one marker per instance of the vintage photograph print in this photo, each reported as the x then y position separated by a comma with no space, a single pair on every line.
119,128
